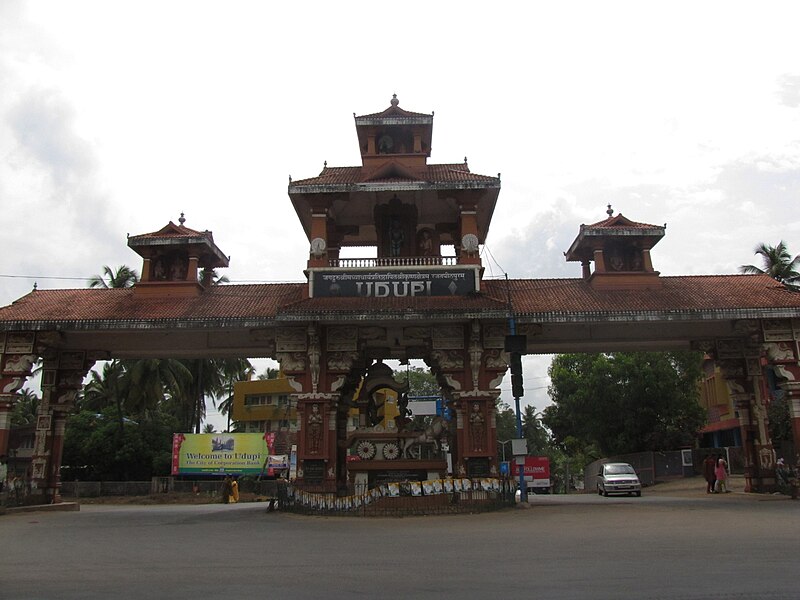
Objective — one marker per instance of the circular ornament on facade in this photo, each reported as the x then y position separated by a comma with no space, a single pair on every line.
366,450
391,451
469,243
318,247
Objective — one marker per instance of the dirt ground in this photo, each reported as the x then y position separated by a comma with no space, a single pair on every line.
168,498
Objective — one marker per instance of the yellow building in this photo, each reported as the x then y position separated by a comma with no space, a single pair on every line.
264,405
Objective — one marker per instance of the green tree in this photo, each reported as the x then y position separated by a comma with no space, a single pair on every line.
210,378
123,277
534,431
153,385
104,390
506,429
269,373
625,402
26,408
777,263
234,370
95,450
421,382
209,428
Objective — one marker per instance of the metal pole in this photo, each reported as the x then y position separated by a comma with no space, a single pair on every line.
512,325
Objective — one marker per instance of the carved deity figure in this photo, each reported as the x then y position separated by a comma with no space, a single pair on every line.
314,430
396,237
477,428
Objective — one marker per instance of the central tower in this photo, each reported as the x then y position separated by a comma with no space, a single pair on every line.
414,293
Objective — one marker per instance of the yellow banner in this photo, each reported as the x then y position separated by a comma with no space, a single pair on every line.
220,453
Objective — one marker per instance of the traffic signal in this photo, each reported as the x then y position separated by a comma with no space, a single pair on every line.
516,385
517,389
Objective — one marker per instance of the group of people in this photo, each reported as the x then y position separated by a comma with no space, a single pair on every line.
230,490
715,472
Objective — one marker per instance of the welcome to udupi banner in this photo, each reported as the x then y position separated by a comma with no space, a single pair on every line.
220,453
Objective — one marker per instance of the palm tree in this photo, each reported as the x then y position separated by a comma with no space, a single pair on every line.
269,373
106,389
25,409
235,370
151,381
124,277
209,428
778,263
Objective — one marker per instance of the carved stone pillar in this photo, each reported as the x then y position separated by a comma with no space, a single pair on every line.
476,433
62,379
17,356
744,381
316,450
792,389
783,353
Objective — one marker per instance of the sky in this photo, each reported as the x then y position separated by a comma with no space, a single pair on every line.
115,117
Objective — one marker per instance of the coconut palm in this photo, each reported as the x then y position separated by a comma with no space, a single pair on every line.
235,370
25,409
123,277
778,263
150,382
106,389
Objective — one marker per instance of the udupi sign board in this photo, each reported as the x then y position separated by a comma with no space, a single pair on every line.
536,471
393,284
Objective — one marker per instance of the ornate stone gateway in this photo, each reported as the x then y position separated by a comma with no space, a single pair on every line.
419,295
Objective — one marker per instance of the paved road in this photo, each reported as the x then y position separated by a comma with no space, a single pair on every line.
566,547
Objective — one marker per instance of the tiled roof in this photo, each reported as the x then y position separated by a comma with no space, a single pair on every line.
173,231
123,305
454,173
567,299
553,300
619,221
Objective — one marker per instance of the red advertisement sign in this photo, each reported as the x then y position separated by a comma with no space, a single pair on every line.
536,467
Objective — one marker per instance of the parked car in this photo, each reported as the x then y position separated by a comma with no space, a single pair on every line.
618,478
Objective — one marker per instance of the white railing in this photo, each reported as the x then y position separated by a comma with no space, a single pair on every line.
394,261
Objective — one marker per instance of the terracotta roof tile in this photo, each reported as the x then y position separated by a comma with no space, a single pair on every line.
685,294
448,173
220,302
619,221
541,299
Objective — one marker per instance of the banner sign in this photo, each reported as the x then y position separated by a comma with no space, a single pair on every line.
219,453
394,284
536,470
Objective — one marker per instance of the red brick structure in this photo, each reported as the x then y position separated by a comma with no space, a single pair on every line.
420,295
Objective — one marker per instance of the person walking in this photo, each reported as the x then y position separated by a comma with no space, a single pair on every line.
721,473
234,491
709,473
227,489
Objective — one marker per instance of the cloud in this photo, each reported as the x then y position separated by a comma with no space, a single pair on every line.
42,124
789,90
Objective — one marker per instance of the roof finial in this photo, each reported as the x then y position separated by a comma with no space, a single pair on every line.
325,164
182,220
465,160
35,286
395,101
610,211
